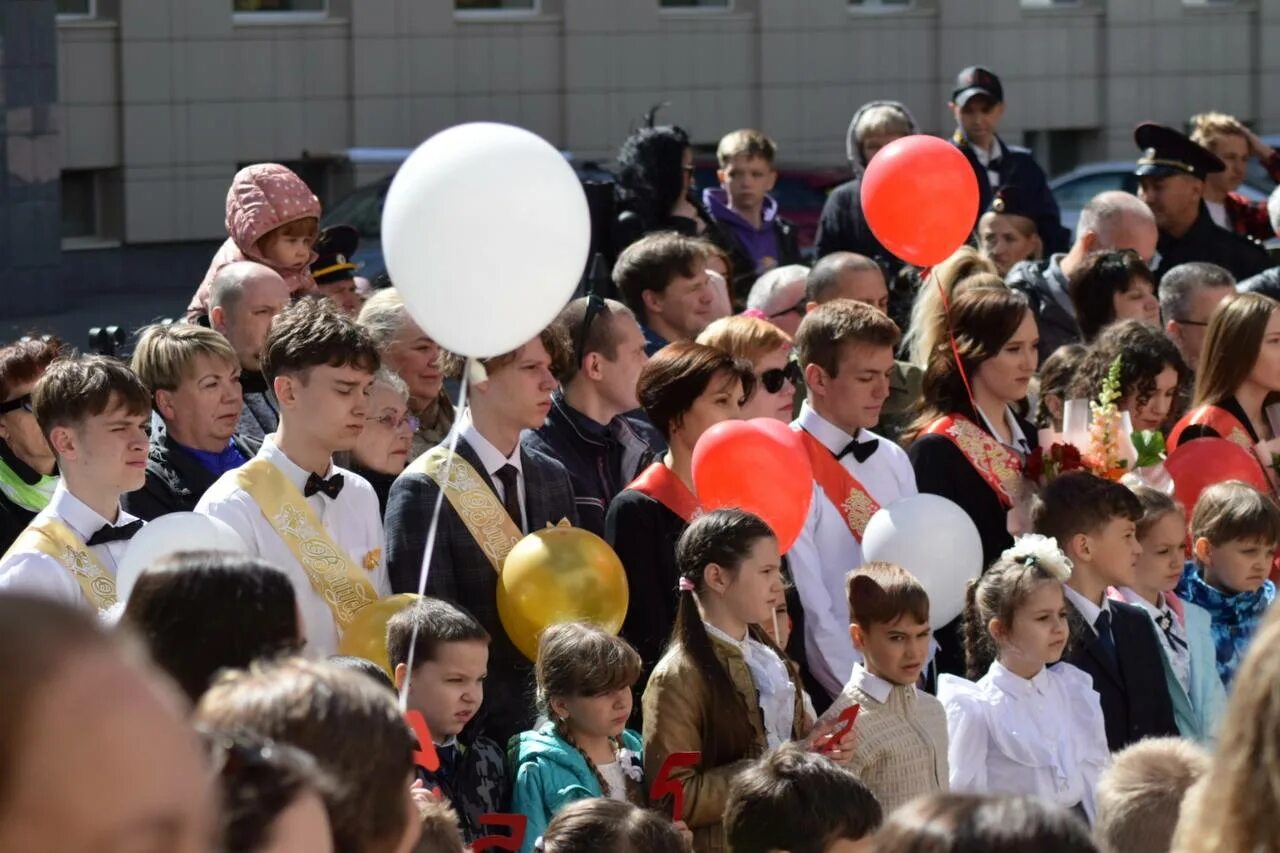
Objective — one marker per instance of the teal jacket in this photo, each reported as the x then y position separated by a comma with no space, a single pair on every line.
1197,713
549,774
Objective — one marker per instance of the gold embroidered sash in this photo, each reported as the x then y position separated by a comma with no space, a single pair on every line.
999,466
470,496
54,538
341,583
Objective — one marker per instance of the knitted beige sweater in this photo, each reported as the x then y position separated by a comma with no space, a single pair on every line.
901,744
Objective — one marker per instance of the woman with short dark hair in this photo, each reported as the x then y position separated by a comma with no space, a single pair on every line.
1113,286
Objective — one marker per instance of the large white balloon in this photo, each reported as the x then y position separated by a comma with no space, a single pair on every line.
485,233
936,541
168,534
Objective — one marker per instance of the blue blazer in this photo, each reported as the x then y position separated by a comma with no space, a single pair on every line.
1197,713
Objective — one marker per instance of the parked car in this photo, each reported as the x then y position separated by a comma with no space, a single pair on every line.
801,191
1074,189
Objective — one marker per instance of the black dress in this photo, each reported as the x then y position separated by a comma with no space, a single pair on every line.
941,469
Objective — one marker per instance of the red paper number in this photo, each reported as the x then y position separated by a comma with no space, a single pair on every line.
843,723
517,823
664,784
425,755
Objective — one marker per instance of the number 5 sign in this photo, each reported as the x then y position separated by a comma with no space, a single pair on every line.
664,785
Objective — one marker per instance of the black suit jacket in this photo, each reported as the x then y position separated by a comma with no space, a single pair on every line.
459,572
1135,697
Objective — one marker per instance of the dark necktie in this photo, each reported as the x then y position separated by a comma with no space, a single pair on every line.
331,487
861,450
107,533
510,479
1105,640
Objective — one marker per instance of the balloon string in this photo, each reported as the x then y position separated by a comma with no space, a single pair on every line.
951,335
434,527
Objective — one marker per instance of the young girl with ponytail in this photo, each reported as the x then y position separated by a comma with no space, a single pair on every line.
723,690
583,749
1023,728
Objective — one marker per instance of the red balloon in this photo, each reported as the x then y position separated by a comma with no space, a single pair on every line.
1200,463
920,197
760,466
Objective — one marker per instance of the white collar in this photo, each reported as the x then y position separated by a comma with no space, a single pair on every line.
491,457
741,645
986,155
78,515
1014,684
873,685
1136,600
1017,438
1086,608
294,472
828,434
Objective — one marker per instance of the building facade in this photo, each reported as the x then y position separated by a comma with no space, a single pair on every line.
157,102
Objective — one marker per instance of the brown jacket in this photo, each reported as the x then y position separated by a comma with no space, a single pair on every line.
675,704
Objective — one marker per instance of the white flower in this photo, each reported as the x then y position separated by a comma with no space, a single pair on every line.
630,764
1043,551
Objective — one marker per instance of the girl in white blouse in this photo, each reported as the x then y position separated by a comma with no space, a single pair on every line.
1024,728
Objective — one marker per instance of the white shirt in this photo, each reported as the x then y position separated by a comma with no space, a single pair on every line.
1017,438
353,520
826,550
1176,650
1218,213
493,461
774,688
985,157
1086,608
614,778
1042,736
39,574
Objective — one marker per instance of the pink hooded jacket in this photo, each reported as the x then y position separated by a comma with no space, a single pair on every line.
262,197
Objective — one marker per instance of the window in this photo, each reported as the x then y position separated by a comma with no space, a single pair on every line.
73,9
879,5
483,7
92,206
695,4
279,7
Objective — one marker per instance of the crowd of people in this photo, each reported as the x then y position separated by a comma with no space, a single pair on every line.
1109,685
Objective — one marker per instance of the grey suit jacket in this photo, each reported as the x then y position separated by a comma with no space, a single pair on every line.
459,572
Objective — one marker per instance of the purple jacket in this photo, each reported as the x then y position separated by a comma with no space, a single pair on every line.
760,243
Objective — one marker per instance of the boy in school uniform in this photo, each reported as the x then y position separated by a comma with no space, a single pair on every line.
846,351
318,523
448,651
93,411
497,491
1095,523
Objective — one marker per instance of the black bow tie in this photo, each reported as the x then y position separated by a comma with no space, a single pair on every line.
331,486
861,450
107,533
994,164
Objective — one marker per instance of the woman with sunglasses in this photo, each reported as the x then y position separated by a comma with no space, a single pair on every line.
28,472
382,451
685,389
768,349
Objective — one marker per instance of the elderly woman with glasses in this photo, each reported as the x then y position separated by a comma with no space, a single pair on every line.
768,349
382,451
28,471
779,296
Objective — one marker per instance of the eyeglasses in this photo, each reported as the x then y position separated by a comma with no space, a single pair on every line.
392,422
798,308
23,402
595,307
772,380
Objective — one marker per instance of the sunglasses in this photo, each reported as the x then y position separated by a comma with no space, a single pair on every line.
23,403
772,380
595,307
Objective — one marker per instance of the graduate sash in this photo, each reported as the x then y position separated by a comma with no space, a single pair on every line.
340,582
840,486
485,517
999,466
660,483
1217,419
54,538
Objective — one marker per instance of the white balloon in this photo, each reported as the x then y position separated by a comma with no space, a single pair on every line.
485,232
936,541
168,534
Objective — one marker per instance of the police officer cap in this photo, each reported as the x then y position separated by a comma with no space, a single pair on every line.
335,246
976,80
1165,151
1011,201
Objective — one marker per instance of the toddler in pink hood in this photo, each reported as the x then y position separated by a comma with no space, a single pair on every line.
272,218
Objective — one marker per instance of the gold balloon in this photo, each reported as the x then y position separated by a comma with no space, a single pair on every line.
366,636
561,574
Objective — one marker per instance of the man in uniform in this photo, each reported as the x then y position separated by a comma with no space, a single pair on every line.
1171,173
333,270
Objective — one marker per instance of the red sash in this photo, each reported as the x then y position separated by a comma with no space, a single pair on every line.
1219,420
660,483
995,463
841,488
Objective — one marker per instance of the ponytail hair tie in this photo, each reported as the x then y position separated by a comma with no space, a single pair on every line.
685,585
